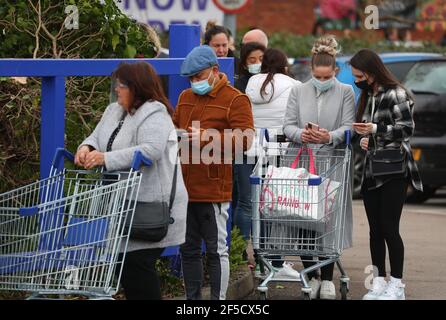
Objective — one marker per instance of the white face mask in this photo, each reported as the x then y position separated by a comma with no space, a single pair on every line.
322,85
254,68
202,87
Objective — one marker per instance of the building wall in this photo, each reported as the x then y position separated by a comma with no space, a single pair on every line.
297,16
294,16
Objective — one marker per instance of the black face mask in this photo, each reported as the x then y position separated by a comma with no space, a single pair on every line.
363,85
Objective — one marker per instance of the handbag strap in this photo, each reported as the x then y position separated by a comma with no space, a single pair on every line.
312,169
115,132
371,120
373,108
174,181
375,144
174,186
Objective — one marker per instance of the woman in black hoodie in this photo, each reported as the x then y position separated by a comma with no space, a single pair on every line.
251,56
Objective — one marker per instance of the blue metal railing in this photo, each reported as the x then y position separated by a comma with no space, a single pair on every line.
53,72
183,38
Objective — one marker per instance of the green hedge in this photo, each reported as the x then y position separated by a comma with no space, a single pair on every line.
104,32
299,46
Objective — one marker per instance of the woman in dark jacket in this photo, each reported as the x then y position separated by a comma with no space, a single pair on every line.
251,56
384,121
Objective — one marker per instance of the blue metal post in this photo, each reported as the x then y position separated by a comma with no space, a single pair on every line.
53,121
182,39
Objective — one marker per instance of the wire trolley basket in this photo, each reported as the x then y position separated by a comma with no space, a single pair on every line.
299,202
64,234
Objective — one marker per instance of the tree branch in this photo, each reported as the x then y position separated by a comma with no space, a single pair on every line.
53,40
39,26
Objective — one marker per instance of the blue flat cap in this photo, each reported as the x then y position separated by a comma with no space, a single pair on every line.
198,59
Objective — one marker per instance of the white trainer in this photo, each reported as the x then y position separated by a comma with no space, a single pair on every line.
315,285
328,290
378,286
287,272
393,291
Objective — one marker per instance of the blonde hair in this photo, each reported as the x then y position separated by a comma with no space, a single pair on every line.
152,36
326,44
324,51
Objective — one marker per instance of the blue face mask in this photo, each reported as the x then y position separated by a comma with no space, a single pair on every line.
202,87
322,85
254,68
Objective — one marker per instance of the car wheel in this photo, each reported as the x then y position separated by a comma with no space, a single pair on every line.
358,167
415,196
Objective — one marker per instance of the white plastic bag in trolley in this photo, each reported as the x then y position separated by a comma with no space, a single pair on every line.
72,278
296,192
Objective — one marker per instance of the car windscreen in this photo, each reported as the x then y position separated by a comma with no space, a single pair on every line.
427,77
400,69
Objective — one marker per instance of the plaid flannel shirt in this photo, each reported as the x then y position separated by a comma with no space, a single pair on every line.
395,125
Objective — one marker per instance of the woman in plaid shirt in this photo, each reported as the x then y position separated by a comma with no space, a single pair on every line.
384,121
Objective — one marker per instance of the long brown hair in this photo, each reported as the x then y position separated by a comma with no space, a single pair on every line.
368,61
274,61
143,82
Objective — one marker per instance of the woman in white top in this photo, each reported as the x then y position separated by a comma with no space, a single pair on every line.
269,91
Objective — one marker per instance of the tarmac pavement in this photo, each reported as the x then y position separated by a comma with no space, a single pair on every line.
423,229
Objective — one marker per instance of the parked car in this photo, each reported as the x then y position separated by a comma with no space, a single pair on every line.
425,75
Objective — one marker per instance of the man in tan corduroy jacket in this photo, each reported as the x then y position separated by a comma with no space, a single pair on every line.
216,117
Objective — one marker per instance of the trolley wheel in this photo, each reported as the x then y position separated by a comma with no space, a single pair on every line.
263,296
344,290
306,296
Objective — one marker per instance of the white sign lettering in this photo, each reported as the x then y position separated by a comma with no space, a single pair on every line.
161,13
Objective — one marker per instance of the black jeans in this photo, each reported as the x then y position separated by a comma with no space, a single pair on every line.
241,198
206,221
139,277
383,207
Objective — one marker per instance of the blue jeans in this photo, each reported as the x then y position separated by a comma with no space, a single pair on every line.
241,198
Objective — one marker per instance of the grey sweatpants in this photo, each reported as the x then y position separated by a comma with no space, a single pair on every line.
206,221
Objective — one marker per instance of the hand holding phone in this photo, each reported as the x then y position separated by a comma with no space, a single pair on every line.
313,126
363,128
359,124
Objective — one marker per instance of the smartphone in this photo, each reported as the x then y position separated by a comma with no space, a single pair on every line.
359,124
313,126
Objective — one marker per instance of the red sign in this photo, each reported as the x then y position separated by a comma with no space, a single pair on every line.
231,6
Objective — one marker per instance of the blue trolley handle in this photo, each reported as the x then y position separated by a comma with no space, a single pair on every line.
348,137
60,155
139,160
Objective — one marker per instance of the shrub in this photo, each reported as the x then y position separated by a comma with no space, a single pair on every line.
30,31
299,46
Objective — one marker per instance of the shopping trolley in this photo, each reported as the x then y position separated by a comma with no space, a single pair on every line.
63,235
301,216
